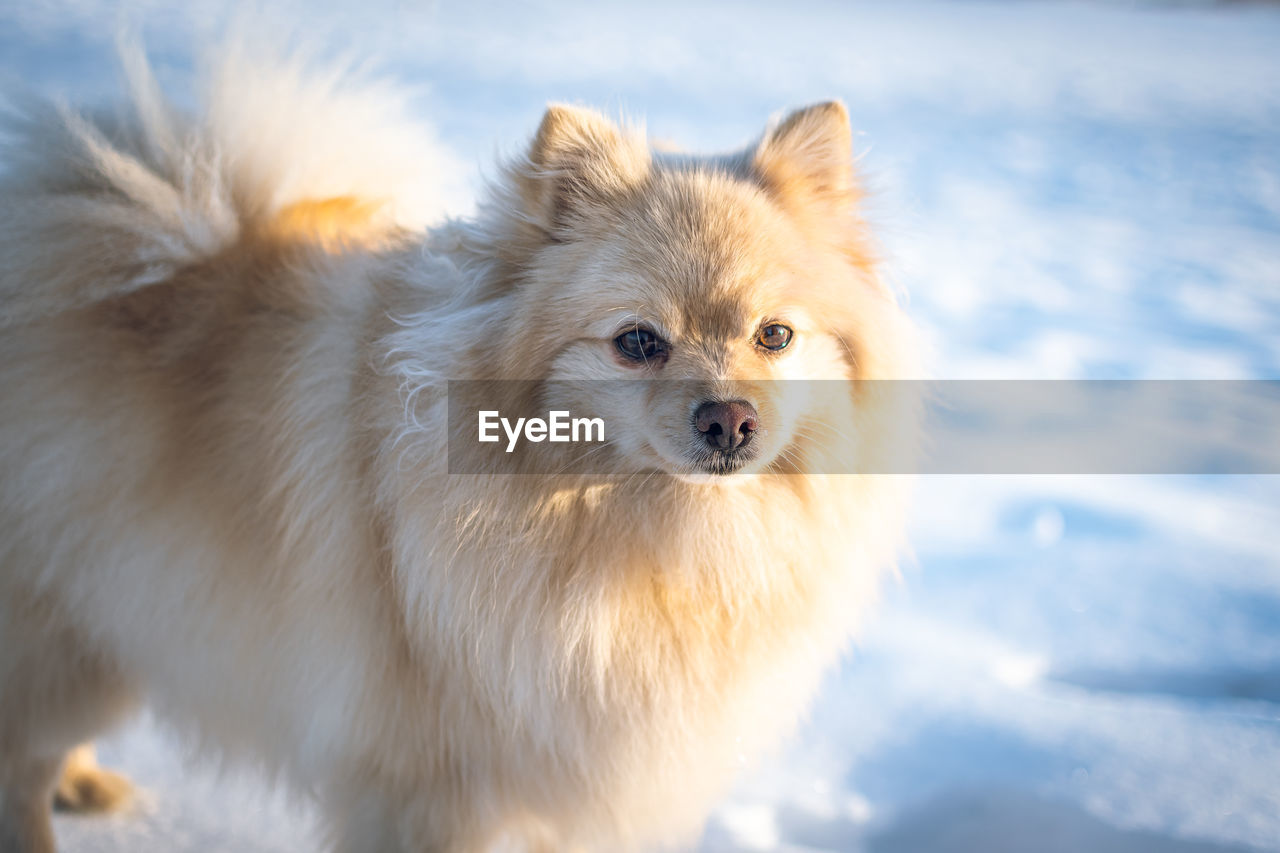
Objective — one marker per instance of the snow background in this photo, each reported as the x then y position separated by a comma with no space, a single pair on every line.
1066,190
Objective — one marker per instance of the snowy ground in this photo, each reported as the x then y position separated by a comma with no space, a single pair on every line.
1065,190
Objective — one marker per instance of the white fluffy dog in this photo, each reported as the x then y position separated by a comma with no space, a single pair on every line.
225,343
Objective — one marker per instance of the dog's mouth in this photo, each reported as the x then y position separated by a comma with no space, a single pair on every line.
720,462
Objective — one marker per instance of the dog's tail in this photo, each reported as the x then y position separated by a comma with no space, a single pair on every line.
275,151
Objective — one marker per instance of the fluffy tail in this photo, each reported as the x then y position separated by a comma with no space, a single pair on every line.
276,150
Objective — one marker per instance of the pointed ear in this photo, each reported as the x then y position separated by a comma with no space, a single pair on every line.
580,160
809,154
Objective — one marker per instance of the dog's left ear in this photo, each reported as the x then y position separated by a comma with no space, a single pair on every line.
579,161
809,155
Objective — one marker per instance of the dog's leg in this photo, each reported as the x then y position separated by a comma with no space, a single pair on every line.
365,819
86,787
25,791
76,784
365,824
55,693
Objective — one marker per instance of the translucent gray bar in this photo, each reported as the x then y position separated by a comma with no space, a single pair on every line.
906,427
1102,427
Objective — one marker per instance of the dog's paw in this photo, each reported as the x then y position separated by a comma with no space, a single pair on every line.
87,788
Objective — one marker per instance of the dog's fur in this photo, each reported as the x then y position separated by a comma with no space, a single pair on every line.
224,348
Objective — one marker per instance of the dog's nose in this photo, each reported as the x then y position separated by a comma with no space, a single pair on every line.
727,426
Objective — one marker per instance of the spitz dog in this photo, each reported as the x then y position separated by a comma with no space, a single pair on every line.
226,343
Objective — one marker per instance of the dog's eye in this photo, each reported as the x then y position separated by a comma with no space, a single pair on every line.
640,344
774,336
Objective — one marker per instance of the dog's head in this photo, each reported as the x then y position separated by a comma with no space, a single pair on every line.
729,284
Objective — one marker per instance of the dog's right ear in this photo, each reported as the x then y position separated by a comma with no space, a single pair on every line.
579,162
809,156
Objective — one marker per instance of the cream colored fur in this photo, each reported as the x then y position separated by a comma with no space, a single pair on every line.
224,343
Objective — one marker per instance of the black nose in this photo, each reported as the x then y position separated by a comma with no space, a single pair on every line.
727,426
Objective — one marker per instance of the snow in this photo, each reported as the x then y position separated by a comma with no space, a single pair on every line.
1066,190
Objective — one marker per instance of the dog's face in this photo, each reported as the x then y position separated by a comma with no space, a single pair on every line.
712,293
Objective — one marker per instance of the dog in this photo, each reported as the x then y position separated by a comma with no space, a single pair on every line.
232,487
